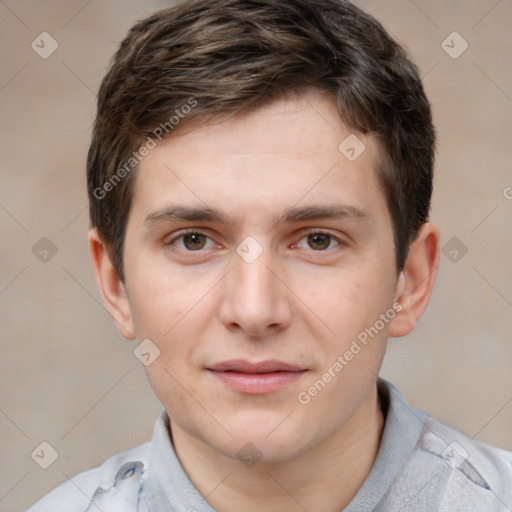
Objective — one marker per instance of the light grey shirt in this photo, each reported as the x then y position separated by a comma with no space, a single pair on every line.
422,466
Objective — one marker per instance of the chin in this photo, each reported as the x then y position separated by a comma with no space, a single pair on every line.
268,440
260,451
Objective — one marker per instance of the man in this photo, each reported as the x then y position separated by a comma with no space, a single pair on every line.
259,179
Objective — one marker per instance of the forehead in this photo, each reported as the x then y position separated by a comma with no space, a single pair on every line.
292,150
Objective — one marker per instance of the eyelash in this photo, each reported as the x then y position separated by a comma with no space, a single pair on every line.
312,231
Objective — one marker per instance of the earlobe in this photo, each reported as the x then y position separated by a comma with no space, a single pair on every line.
112,289
416,282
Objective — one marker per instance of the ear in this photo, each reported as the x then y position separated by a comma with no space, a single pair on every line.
416,282
112,289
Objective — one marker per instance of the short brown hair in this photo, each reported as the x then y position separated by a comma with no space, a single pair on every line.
222,56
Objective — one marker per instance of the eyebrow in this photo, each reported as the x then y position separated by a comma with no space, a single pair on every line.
290,215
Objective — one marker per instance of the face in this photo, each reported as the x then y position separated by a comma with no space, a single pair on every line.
257,256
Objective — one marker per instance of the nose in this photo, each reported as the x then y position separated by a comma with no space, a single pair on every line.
255,300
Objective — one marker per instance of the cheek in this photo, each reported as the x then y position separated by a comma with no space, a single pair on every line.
161,298
182,392
350,304
339,297
169,387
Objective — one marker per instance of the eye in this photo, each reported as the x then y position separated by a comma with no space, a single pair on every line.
318,241
192,241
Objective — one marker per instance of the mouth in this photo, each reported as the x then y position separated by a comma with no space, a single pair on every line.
256,378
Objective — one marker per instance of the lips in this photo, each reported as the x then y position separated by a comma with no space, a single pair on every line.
256,377
242,366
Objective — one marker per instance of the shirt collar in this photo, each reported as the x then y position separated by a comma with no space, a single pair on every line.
166,485
402,432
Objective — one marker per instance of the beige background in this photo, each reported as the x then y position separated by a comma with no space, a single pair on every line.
66,375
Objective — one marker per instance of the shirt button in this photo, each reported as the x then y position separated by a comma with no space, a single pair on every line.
128,472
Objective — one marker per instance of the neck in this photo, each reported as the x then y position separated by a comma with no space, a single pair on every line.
326,477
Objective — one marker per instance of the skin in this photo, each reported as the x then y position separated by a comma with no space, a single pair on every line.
301,302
